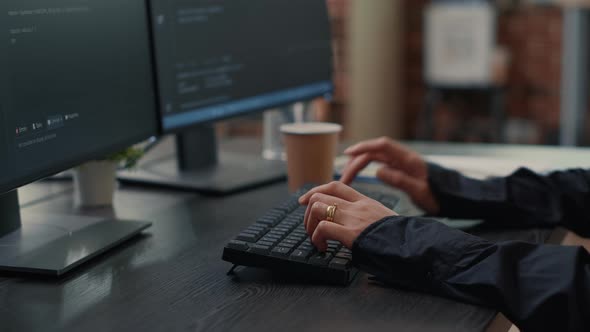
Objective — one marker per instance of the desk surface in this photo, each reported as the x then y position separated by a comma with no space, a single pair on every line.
172,278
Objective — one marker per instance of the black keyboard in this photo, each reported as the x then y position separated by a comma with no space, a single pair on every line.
278,241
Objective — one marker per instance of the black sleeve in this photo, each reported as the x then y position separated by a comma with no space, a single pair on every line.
523,198
538,287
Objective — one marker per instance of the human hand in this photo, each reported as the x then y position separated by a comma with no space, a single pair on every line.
354,213
403,169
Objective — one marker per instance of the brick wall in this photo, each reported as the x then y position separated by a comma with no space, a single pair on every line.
532,36
413,73
339,11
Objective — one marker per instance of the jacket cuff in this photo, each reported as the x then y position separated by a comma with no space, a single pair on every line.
412,252
463,197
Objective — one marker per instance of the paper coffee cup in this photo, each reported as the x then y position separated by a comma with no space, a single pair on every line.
311,149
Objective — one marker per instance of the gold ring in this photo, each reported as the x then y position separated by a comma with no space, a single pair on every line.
330,212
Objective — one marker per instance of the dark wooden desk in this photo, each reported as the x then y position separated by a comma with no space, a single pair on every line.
173,279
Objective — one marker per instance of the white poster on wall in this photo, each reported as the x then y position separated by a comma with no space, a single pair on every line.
459,42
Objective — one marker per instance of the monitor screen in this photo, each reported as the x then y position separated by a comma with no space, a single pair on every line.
217,59
75,83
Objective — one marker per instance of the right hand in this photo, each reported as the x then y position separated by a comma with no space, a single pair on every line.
355,212
403,169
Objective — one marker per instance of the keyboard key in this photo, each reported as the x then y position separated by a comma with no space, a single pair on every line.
294,220
300,255
280,252
289,205
249,231
299,233
339,263
248,237
277,233
297,240
308,241
299,237
259,249
267,221
333,246
238,245
321,259
269,237
257,227
285,207
275,212
306,247
254,232
278,217
265,243
293,242
344,256
286,245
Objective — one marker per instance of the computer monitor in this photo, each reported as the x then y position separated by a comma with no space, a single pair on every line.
220,59
75,84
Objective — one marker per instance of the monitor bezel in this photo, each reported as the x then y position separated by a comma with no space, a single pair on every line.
197,124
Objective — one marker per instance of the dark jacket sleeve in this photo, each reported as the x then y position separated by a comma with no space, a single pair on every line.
523,198
538,287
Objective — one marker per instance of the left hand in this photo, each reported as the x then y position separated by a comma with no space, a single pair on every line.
354,213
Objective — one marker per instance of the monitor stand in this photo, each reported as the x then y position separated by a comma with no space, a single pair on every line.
196,166
52,245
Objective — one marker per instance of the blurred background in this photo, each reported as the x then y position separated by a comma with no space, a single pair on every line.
502,71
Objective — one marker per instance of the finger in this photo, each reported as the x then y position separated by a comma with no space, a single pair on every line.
358,163
323,198
316,212
396,155
336,189
329,231
347,165
410,185
383,144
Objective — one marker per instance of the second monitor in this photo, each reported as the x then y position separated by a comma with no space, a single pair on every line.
222,59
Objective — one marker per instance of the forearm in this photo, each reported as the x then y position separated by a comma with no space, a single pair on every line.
537,287
523,198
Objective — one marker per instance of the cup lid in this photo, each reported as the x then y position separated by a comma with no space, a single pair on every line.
311,128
